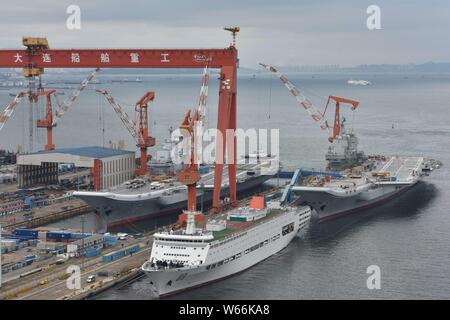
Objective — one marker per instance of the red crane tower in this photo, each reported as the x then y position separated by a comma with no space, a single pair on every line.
189,175
192,127
145,141
50,121
337,121
309,107
47,122
37,56
138,128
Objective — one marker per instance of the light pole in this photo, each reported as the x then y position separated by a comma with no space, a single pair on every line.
82,242
203,192
0,256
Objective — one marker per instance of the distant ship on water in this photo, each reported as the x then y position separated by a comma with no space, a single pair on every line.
359,82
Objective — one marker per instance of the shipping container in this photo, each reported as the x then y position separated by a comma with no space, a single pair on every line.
58,235
91,252
110,241
120,253
78,235
203,170
30,233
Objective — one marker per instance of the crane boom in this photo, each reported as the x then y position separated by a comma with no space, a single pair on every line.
62,108
137,128
6,114
129,124
201,106
301,99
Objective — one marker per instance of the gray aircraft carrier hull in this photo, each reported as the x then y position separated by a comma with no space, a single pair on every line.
112,212
329,207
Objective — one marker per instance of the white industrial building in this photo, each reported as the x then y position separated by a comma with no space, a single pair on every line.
96,241
110,167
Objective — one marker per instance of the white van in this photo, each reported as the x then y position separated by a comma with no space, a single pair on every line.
122,236
90,279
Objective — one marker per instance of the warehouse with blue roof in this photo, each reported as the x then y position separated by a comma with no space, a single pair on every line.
109,167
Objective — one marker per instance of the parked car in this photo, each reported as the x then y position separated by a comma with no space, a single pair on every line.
122,236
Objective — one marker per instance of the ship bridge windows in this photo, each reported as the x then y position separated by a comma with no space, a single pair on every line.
179,240
176,254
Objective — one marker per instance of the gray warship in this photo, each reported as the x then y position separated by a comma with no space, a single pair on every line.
356,181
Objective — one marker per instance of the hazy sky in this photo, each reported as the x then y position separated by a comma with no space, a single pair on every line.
277,32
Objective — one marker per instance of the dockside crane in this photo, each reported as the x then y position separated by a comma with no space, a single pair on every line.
317,116
47,122
192,125
189,176
41,123
337,122
138,128
50,120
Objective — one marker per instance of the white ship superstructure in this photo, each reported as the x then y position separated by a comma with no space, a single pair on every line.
227,244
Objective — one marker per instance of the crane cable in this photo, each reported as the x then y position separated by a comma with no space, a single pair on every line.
270,92
301,99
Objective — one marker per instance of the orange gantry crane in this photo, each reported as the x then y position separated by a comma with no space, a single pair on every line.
138,128
317,116
37,56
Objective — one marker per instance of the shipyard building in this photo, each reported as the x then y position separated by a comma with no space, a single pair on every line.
109,167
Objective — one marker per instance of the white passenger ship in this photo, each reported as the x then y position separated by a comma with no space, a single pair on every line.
228,243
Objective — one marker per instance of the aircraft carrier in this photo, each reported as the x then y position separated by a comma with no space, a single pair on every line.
357,182
139,199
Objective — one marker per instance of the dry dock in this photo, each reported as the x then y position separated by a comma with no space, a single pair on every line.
44,215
